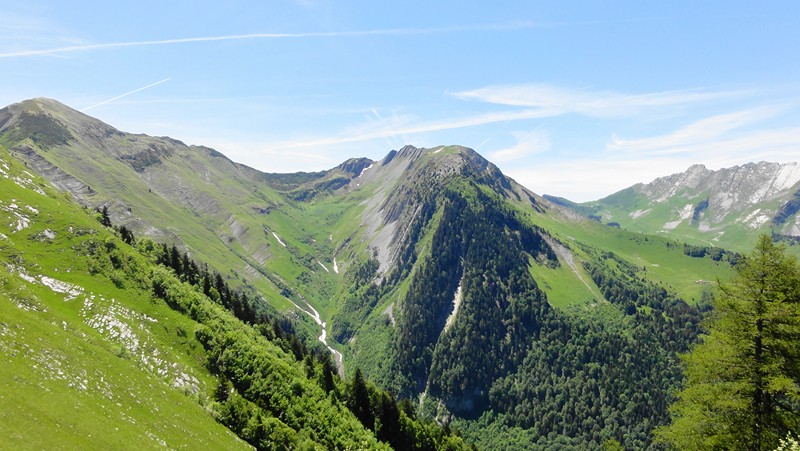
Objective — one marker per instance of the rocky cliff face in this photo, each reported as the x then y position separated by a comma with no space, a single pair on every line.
738,201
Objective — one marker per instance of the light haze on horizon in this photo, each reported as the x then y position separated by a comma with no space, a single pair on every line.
576,99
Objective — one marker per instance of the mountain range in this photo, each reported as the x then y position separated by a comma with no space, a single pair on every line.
520,320
728,207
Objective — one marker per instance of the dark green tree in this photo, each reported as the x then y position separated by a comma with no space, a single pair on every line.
127,236
742,388
105,219
326,374
358,401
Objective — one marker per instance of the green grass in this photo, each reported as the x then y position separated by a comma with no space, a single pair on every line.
730,233
562,286
67,381
663,258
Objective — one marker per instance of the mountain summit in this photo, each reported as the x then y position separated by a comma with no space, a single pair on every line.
727,207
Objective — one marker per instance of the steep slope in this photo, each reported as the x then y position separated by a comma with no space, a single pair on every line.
87,363
727,208
103,348
239,220
452,303
436,275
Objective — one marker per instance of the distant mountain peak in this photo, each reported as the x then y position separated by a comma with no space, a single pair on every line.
49,122
714,205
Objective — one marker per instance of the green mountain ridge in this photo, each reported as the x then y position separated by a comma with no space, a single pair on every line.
105,349
728,208
487,306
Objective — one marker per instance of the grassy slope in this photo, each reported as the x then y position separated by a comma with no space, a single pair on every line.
663,258
731,234
97,362
70,377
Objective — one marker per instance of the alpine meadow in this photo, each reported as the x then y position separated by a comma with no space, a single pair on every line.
326,225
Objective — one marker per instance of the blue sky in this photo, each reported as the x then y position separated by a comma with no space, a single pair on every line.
576,99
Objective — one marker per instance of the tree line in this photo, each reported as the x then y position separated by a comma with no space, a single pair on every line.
273,390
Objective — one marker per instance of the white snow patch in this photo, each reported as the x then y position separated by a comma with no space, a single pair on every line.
759,221
750,216
279,239
639,213
59,286
22,221
671,225
323,266
438,150
684,214
365,169
335,266
755,219
457,298
323,338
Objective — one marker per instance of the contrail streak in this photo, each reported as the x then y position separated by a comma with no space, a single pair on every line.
125,95
324,34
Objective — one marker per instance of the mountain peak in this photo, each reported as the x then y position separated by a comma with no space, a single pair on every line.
44,103
716,206
697,168
48,122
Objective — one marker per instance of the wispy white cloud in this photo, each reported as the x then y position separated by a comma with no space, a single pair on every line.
126,94
528,143
597,175
589,178
774,144
705,132
19,32
558,100
262,156
256,36
406,127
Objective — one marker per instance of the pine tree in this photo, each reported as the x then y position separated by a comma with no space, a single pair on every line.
126,235
742,388
105,219
359,402
326,376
